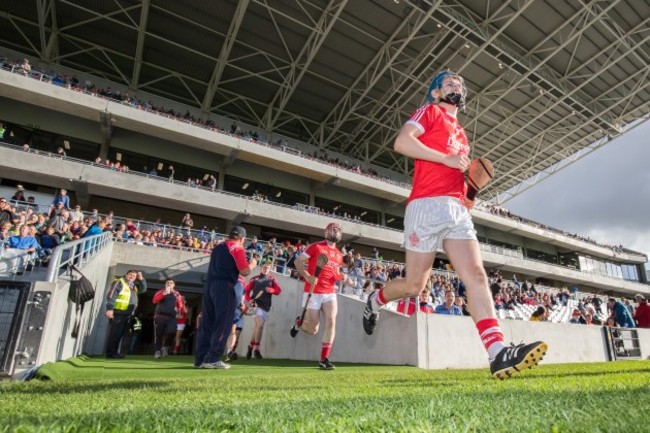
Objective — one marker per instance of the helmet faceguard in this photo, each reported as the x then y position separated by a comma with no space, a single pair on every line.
453,97
333,232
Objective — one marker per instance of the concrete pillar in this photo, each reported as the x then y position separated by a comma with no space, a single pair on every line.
222,178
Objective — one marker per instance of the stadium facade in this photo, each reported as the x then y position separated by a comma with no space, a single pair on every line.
318,91
512,245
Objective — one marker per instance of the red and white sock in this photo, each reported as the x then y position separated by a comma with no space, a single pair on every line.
325,350
256,346
378,300
491,336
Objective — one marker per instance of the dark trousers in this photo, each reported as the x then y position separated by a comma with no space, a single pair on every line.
118,326
219,305
165,330
134,339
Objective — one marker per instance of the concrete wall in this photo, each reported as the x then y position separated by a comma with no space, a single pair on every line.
453,342
56,341
426,341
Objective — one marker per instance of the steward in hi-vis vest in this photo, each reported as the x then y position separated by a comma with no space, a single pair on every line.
121,302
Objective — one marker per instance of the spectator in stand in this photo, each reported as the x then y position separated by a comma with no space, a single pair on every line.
170,173
425,306
539,315
96,229
448,307
642,314
629,305
460,303
5,211
187,222
76,215
24,241
5,231
60,152
25,68
254,246
212,182
576,317
62,197
597,303
168,304
498,302
49,241
620,313
508,302
19,196
59,219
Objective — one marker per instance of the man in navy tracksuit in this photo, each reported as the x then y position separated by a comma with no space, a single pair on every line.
227,262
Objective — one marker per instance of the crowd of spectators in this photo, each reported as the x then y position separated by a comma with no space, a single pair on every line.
72,82
23,226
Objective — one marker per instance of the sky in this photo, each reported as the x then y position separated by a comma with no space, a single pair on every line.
604,196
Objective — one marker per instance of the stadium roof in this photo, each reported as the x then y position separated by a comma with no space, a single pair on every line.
549,81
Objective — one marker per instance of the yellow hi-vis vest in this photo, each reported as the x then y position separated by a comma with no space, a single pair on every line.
124,297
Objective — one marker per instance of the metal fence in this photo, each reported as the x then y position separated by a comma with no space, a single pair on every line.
622,343
13,297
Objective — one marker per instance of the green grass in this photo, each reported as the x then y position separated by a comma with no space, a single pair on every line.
142,395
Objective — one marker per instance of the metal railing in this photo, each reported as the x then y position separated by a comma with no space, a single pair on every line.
13,301
298,206
622,343
75,253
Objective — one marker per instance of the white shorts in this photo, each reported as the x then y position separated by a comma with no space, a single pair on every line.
429,221
318,299
262,314
180,326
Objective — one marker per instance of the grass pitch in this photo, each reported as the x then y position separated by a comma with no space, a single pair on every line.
140,394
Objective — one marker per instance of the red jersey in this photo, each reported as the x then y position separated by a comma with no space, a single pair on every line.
181,317
442,132
330,273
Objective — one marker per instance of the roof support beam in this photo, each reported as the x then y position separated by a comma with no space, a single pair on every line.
382,61
142,32
595,136
302,62
220,65
536,69
469,59
582,84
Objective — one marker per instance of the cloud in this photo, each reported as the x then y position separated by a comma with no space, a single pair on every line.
604,196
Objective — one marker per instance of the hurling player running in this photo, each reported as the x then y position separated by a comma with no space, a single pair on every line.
437,216
323,298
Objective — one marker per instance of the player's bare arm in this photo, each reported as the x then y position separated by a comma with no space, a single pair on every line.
408,144
301,267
